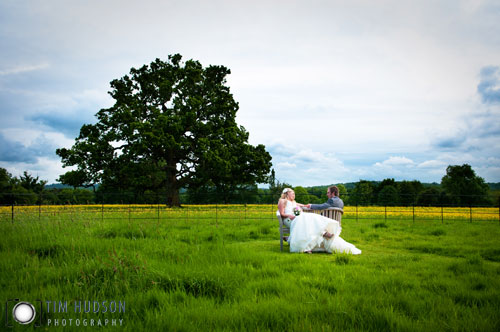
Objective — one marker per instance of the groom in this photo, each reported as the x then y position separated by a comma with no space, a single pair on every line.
333,200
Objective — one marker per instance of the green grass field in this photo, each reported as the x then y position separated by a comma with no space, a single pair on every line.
190,274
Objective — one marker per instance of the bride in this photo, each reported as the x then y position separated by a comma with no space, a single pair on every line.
310,231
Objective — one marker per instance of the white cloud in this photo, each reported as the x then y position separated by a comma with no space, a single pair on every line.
46,169
306,166
396,161
285,165
432,164
22,69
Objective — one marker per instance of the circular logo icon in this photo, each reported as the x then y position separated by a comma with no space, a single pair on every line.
24,312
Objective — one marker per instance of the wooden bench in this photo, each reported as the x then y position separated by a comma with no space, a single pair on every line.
284,230
332,213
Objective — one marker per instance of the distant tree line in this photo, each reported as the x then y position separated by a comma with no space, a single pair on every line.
459,187
29,190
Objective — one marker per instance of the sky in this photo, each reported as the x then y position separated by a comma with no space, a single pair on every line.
337,91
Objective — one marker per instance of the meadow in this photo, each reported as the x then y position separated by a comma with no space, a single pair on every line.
221,269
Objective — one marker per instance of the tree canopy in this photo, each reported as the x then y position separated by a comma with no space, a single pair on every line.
173,125
362,193
389,195
464,186
22,190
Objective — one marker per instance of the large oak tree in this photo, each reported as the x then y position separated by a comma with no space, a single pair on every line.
173,125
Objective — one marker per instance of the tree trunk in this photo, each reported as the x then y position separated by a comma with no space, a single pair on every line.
173,198
172,188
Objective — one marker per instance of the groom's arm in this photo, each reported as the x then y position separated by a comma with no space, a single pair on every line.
322,206
319,206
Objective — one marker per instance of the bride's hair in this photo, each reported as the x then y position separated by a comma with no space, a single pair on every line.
284,193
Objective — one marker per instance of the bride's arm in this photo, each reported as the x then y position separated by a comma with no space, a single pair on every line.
302,206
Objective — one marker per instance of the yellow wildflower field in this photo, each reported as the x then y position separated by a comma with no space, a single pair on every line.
236,212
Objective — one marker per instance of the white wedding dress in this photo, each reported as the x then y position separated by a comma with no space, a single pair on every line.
307,229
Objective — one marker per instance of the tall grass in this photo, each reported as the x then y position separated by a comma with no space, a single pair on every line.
228,274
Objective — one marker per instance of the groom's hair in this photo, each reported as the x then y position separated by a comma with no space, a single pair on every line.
334,190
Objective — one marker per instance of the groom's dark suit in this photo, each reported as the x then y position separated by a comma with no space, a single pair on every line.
335,201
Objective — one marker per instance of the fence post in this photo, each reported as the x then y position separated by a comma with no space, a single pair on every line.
40,206
385,213
442,214
216,215
413,208
356,211
470,213
12,212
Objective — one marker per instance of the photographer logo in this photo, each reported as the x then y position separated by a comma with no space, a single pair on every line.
64,313
24,313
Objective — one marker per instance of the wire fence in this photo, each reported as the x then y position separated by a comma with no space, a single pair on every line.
235,212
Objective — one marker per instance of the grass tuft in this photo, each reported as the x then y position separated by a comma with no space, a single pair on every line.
46,251
437,232
491,255
342,259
